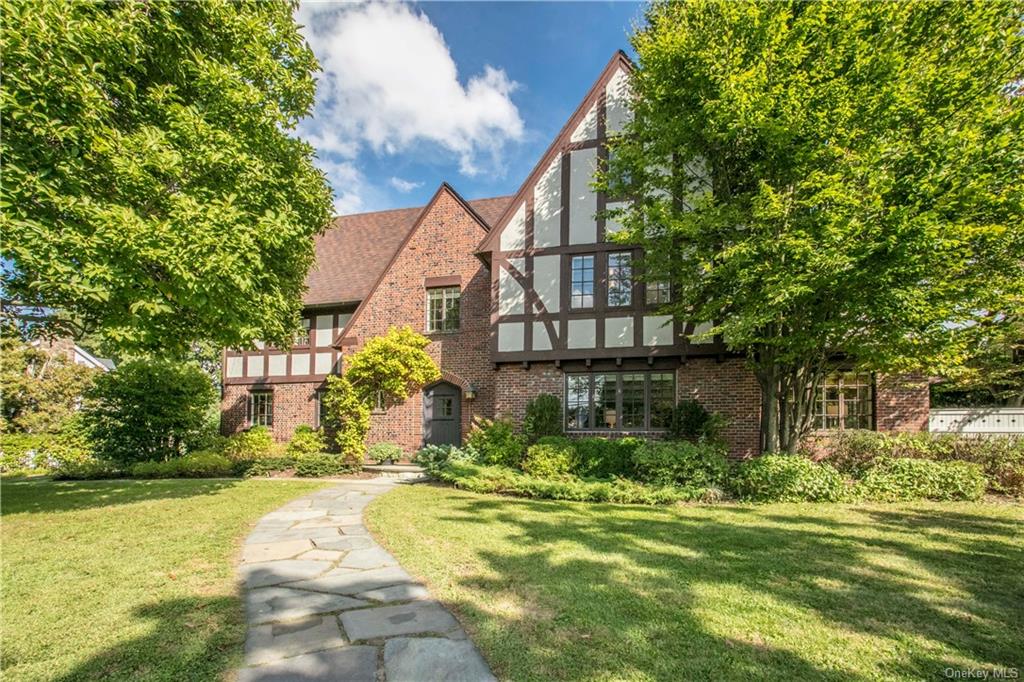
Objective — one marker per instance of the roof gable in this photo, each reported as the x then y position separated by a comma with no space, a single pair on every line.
581,120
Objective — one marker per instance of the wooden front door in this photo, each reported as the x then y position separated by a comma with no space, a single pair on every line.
442,414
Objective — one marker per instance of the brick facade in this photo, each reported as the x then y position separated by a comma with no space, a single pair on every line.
294,405
729,388
901,403
441,246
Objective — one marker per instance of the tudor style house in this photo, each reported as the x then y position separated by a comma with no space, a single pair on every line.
523,295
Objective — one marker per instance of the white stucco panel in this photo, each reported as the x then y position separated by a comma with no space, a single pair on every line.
511,295
582,198
617,97
618,332
300,364
234,366
547,206
513,237
277,365
581,334
587,128
699,330
658,330
546,281
611,225
541,338
324,361
254,366
510,336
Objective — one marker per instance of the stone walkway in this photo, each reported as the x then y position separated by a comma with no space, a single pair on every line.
326,602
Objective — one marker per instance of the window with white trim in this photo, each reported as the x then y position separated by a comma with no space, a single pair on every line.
261,408
443,309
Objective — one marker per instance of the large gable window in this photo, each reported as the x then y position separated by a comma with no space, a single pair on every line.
621,401
620,279
443,309
845,401
582,291
261,408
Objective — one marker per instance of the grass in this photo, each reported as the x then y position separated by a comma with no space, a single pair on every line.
127,580
574,591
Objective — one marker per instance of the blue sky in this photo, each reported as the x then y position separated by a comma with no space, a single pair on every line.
468,92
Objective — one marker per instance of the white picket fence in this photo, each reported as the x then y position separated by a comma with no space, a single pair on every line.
977,420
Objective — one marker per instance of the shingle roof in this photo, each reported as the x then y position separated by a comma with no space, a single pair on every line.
353,252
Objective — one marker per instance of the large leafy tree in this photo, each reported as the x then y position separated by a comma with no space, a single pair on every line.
827,179
153,191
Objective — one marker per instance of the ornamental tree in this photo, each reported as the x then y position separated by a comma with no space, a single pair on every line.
153,190
828,180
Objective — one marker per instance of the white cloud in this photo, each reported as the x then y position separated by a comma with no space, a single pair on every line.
348,184
389,83
404,186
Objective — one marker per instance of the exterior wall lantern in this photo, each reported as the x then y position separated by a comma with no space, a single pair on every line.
470,392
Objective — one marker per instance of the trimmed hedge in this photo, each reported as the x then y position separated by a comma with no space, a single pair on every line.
305,441
497,443
253,443
606,457
496,479
550,457
787,478
193,465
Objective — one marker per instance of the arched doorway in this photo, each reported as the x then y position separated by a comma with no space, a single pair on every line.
442,414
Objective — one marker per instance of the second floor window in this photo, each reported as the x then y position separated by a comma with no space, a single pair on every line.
620,279
261,408
302,337
443,309
658,293
582,292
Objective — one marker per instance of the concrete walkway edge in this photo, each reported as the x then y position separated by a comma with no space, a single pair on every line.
324,601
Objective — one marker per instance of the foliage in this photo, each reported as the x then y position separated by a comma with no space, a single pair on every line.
993,370
86,470
192,465
25,451
40,389
893,480
550,457
323,465
253,443
264,466
306,441
787,478
692,421
433,457
500,479
497,442
543,417
348,416
147,410
154,190
606,457
390,368
382,452
680,463
828,178
853,451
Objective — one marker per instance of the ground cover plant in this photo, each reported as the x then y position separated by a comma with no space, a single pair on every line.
127,580
567,591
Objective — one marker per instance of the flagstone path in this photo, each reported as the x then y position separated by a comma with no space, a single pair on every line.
324,601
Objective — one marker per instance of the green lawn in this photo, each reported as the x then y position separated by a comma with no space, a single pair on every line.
573,591
127,580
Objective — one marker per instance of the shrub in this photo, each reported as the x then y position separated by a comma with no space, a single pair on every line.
897,479
498,443
382,452
497,479
788,478
680,463
606,457
349,416
84,470
690,420
543,417
147,410
193,465
252,443
263,466
306,441
550,457
432,457
323,465
26,451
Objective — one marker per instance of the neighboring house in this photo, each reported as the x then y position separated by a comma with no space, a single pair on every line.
523,295
75,353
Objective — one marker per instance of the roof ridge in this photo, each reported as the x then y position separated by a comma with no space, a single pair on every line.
412,208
